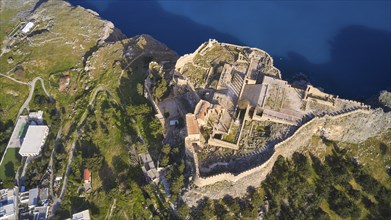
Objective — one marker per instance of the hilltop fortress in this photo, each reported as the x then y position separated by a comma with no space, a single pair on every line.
243,115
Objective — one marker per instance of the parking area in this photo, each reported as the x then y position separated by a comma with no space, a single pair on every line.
169,108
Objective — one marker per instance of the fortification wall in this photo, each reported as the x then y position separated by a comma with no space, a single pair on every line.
159,114
200,181
286,147
353,103
183,60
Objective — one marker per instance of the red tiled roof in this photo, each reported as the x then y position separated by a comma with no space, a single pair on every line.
192,124
87,174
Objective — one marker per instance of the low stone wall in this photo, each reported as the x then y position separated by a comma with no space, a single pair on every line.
150,98
220,143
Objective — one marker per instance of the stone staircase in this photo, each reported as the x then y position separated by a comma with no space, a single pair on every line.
235,85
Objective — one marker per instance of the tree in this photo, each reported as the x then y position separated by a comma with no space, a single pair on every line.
166,149
183,212
232,204
256,199
166,113
160,89
220,210
135,110
9,170
140,89
156,128
165,155
177,185
165,161
119,164
207,211
249,212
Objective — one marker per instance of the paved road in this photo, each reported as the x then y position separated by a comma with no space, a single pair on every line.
99,89
25,104
22,176
18,172
15,80
50,166
57,202
32,87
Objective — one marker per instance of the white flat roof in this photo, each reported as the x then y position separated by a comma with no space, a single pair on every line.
84,215
7,211
37,115
34,139
28,27
33,197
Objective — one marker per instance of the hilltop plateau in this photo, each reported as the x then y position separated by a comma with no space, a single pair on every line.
137,132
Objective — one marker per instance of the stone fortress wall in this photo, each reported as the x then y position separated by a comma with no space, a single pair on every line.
284,148
271,69
330,124
188,58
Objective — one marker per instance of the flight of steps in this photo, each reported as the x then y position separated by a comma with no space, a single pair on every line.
235,85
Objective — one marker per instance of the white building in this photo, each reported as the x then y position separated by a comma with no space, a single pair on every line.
33,198
84,215
34,140
36,116
7,204
28,27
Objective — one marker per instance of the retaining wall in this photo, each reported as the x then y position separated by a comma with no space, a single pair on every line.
220,143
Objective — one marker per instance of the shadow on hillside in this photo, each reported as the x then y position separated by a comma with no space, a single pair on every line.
360,63
147,17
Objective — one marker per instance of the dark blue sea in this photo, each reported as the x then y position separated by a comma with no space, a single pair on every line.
342,46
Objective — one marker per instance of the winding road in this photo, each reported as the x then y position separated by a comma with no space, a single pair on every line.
31,92
32,83
50,166
15,80
57,202
32,87
99,89
26,103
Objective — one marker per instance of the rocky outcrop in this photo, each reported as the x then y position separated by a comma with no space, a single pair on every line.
385,99
357,128
381,100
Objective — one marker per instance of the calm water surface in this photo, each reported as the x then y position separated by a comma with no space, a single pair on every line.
343,46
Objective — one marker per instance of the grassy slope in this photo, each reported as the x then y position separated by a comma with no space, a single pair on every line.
12,96
43,54
71,32
11,160
373,154
59,52
112,134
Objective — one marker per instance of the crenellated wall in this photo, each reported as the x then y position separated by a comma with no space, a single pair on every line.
285,148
